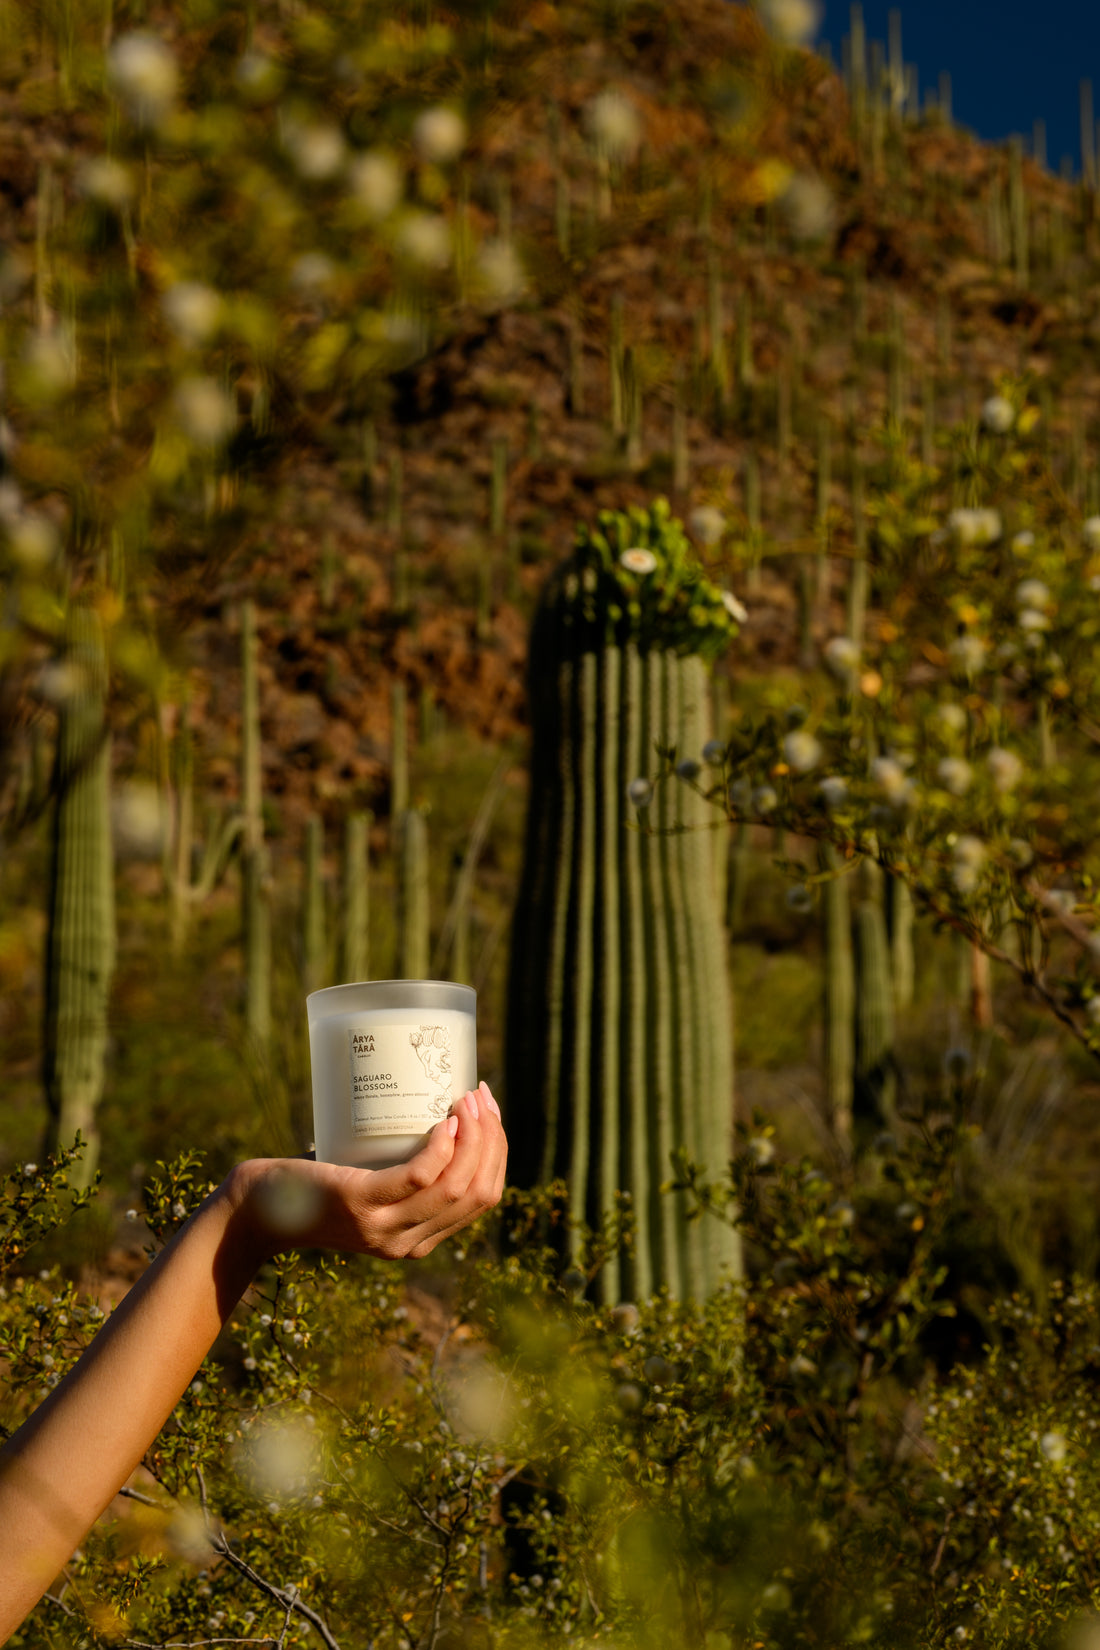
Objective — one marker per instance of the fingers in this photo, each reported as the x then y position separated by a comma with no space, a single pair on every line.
386,1187
461,1197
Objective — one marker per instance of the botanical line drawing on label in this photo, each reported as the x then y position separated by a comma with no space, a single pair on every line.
433,1050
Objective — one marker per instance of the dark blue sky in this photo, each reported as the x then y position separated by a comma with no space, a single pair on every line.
1011,61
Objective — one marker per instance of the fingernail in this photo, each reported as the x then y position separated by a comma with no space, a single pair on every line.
472,1103
490,1102
452,1125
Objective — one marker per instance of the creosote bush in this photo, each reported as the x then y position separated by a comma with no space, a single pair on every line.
802,1459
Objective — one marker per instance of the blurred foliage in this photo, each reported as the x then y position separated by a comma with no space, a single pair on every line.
812,1458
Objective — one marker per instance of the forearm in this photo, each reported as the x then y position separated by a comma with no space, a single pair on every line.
62,1468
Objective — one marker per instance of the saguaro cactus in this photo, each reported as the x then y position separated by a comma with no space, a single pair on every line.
80,942
619,1037
255,875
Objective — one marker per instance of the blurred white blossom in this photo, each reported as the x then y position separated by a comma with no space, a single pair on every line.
808,206
612,124
204,411
32,542
975,527
951,717
842,658
106,181
802,750
998,415
969,855
834,791
955,775
138,819
688,769
424,238
736,610
49,364
193,310
317,149
795,22
376,184
640,792
142,73
1091,532
439,135
1032,593
1023,541
311,272
280,1459
1053,1446
968,655
714,752
707,524
1005,768
500,274
765,799
892,780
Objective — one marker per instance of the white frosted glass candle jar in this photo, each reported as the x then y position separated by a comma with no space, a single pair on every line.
389,1058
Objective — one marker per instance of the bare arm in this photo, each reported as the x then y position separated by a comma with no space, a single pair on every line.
63,1466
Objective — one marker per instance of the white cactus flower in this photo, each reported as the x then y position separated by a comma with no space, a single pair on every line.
707,524
32,542
1054,1447
1091,532
955,775
613,125
968,855
205,413
106,181
375,182
974,527
1031,620
138,821
842,658
193,310
968,655
640,792
808,207
439,135
892,780
1005,769
951,717
765,799
638,560
802,750
424,238
794,22
1032,593
142,73
49,363
762,1150
736,610
500,273
834,791
1023,541
998,415
311,272
318,150
30,1170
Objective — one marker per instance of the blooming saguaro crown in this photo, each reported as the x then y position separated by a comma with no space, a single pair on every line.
634,579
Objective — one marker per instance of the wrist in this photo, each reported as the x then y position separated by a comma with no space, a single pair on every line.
242,1192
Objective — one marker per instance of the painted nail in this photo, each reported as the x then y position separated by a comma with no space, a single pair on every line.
471,1101
490,1101
452,1125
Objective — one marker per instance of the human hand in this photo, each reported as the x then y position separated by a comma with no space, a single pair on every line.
282,1203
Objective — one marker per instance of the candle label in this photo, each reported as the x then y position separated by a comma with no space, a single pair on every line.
400,1078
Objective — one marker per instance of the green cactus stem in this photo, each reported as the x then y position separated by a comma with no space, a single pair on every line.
185,888
80,939
615,367
619,1042
875,1079
838,1003
355,948
255,873
399,750
314,943
413,947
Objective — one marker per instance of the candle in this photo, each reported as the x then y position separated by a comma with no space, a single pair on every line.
389,1058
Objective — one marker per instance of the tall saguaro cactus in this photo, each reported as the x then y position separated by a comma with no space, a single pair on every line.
255,878
80,943
619,1040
